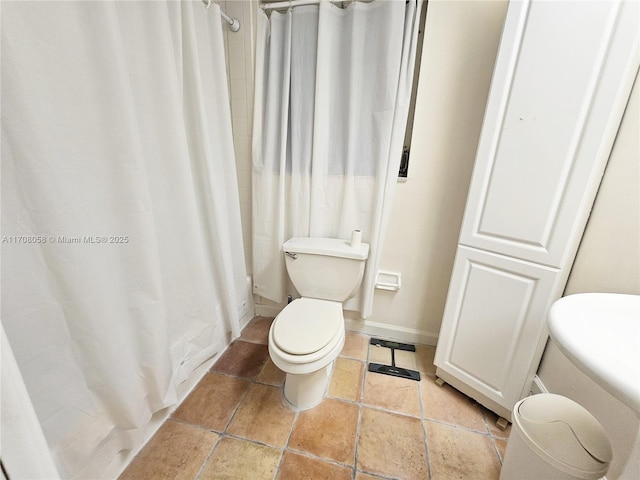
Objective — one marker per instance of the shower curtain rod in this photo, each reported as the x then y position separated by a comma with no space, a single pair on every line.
234,23
298,3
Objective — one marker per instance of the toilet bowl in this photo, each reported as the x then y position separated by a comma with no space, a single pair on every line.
304,340
308,334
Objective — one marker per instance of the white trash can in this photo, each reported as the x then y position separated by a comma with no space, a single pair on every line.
554,438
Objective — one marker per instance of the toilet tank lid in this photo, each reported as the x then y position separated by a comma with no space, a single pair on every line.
333,247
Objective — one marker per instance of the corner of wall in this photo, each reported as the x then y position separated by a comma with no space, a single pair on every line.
240,69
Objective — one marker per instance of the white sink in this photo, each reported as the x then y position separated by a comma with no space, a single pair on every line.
600,334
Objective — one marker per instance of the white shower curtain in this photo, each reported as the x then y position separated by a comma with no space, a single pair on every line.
333,87
122,260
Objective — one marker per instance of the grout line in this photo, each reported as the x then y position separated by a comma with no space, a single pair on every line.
393,412
251,440
286,442
195,425
235,411
357,440
424,427
360,407
316,457
495,447
493,438
457,427
206,460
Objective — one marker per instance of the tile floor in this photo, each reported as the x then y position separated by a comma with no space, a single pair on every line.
236,423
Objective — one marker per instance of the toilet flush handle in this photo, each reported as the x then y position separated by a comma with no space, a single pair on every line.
292,255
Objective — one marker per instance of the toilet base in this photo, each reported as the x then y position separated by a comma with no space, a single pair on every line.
304,391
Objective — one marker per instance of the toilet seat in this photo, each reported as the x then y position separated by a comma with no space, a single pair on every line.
307,325
310,362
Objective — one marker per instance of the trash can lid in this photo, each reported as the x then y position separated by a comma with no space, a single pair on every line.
565,434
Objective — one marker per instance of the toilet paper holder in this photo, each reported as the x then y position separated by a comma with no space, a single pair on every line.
390,281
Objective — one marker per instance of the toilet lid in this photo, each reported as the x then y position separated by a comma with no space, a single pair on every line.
306,325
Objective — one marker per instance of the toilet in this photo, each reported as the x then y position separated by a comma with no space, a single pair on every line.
308,334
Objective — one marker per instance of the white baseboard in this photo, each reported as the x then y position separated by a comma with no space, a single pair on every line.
267,310
391,332
247,311
245,320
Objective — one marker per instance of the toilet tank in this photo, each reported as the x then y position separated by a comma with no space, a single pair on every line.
325,268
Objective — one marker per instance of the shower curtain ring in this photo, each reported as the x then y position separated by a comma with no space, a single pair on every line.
207,4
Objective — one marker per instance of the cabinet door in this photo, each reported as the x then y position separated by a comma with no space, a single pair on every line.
562,77
493,325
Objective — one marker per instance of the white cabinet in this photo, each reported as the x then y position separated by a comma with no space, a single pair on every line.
491,321
562,78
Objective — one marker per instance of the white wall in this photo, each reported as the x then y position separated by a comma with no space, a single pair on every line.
460,48
240,69
608,259
240,66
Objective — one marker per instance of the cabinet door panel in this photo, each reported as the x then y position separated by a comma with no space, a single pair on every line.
555,93
494,321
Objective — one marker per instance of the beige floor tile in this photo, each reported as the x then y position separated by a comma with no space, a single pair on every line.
389,413
448,405
271,375
392,393
238,459
257,330
356,346
424,357
242,359
455,453
327,431
212,403
263,416
346,379
176,451
296,467
392,445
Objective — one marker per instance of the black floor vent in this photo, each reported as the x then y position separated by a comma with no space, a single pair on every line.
392,369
